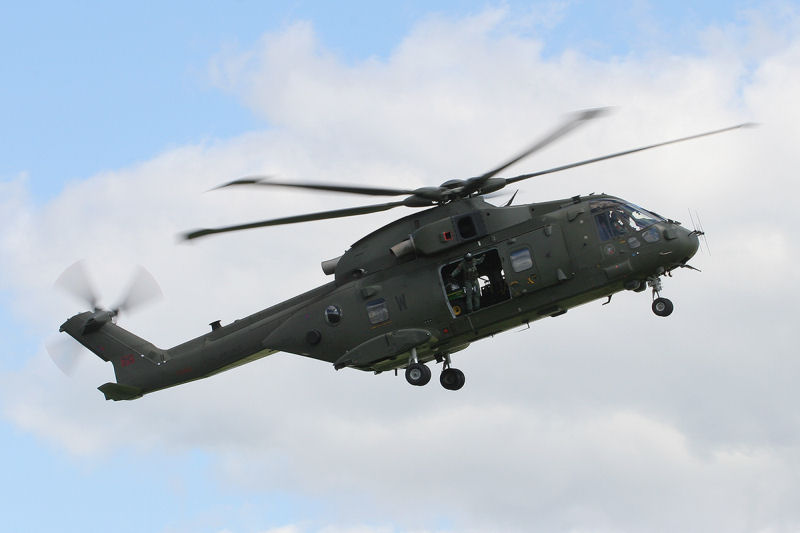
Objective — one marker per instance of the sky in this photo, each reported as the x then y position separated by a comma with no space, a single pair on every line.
118,118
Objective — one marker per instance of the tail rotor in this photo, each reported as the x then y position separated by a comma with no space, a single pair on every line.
142,290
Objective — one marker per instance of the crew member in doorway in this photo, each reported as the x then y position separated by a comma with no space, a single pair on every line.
468,269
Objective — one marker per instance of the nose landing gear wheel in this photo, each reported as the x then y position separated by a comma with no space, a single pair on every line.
418,374
452,379
662,307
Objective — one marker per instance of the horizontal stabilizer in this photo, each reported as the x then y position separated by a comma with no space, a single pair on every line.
115,391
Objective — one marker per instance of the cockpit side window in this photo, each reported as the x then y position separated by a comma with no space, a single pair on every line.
612,222
616,219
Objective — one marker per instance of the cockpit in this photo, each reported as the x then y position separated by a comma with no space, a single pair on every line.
615,218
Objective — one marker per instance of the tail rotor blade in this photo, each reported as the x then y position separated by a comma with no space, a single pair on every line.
65,353
142,290
75,281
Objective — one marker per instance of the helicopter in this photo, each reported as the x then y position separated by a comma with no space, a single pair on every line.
425,286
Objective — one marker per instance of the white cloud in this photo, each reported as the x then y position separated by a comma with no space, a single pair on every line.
607,419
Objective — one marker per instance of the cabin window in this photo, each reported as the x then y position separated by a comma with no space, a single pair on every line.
377,312
521,260
333,315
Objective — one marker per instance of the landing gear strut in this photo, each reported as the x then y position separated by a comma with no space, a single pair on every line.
661,306
419,374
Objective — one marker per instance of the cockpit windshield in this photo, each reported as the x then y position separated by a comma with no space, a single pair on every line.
615,218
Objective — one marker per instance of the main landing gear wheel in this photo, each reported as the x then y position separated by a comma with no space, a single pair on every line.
662,307
418,374
452,379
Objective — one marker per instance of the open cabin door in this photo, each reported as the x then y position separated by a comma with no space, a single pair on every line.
485,287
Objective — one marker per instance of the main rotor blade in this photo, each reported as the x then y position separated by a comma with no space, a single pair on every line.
265,181
570,124
626,152
337,213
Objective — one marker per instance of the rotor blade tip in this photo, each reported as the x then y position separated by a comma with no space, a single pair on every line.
596,112
241,181
190,235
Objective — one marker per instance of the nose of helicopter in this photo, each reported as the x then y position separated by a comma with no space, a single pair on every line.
686,244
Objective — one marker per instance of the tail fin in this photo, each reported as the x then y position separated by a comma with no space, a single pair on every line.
134,359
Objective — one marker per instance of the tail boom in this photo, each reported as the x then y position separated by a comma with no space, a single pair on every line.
140,367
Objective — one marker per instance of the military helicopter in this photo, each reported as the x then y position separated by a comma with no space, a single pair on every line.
426,286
